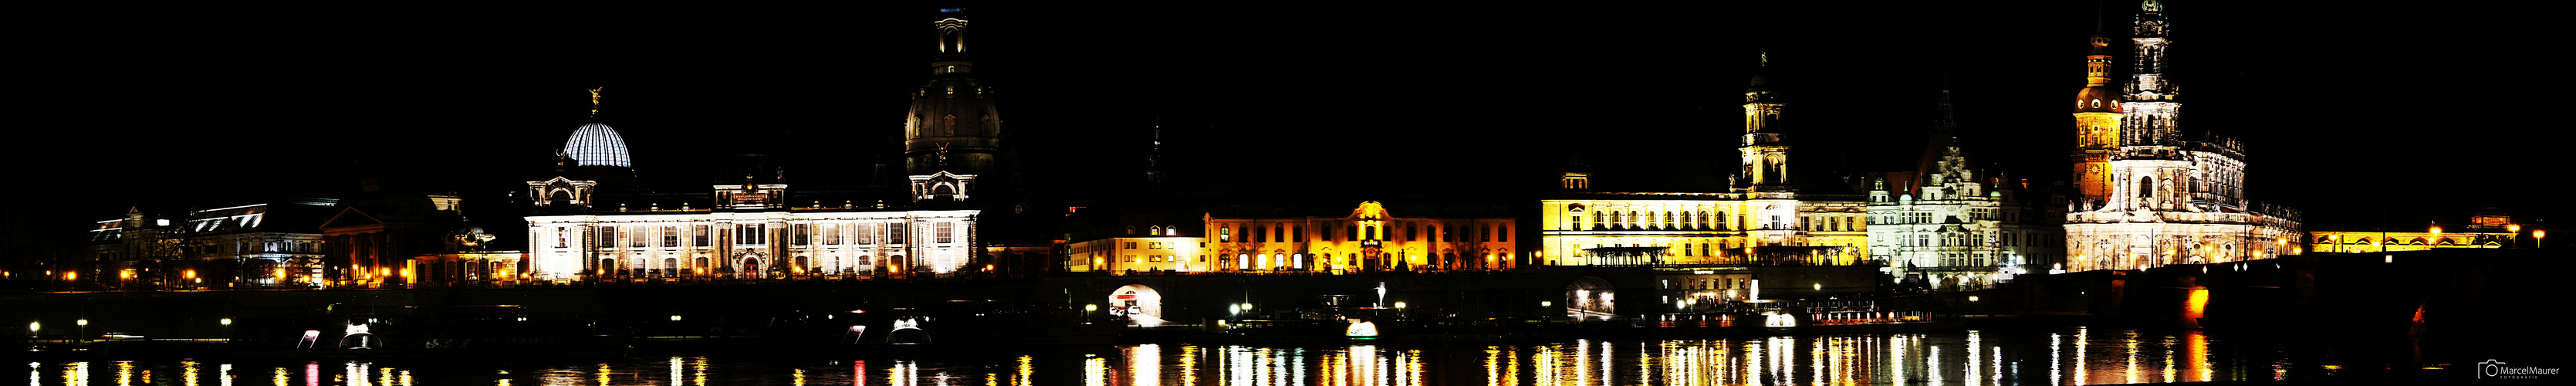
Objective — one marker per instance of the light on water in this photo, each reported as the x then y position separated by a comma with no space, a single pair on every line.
2073,356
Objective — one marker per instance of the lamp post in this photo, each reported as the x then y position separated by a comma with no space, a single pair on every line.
2437,237
2513,237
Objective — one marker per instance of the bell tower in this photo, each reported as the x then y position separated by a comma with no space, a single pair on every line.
2097,128
2149,118
1765,152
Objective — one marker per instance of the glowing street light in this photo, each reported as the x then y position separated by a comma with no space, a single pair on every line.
33,327
226,321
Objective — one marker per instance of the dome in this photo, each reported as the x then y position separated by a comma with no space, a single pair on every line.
2097,99
597,145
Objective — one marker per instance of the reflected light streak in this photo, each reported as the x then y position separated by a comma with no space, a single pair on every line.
1896,354
1753,355
1189,366
1026,369
2198,347
2130,340
2053,358
1098,370
1816,372
187,373
1932,363
1606,364
1976,342
675,370
1493,369
698,371
2170,372
124,373
1645,364
1145,364
1540,370
2082,337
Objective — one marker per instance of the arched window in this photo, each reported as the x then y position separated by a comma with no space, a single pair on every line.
2146,187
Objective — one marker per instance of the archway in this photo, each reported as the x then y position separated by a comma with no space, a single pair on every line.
749,266
1589,297
1139,304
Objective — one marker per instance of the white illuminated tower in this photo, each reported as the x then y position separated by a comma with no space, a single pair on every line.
2151,107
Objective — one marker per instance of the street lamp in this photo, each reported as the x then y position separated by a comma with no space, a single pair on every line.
2513,236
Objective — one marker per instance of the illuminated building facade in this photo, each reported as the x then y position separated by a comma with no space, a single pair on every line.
257,244
2486,229
1757,216
1954,227
750,233
1250,238
592,227
2149,195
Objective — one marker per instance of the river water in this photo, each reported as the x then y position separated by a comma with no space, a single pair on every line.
2037,356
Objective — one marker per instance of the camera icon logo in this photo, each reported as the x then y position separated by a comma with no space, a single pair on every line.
2490,368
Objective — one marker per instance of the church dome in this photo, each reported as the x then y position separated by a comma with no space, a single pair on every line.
2097,99
597,145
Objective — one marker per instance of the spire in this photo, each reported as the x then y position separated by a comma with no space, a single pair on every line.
1154,155
1944,122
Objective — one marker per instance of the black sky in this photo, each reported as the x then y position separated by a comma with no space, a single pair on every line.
2352,113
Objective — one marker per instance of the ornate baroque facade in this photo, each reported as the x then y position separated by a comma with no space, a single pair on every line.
751,231
1757,209
1953,227
2148,193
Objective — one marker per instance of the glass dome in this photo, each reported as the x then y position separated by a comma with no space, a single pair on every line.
597,145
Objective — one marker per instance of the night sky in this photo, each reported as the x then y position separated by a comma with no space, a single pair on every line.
2354,114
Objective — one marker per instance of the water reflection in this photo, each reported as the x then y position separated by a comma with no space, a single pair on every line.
2074,356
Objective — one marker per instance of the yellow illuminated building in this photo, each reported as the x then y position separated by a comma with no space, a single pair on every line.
1756,216
1253,238
2485,230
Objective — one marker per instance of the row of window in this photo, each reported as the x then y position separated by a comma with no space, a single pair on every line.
668,236
1412,232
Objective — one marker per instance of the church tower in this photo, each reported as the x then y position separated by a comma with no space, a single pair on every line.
1766,154
2149,116
952,126
2097,128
